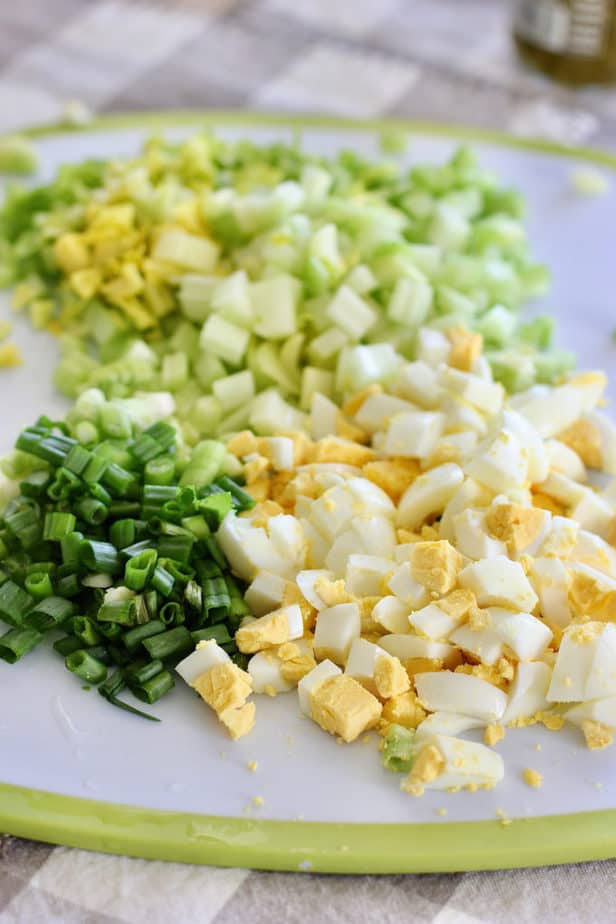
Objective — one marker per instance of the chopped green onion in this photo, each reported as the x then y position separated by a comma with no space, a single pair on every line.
15,643
38,585
15,603
170,644
58,526
84,629
134,637
139,569
122,612
86,667
52,611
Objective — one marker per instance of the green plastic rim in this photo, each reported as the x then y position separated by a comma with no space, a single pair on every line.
161,119
307,846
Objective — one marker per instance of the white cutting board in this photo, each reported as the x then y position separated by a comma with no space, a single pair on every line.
55,737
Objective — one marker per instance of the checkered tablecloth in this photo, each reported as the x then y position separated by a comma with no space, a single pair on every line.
448,60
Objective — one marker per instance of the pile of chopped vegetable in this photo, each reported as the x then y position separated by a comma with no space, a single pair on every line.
244,278
113,543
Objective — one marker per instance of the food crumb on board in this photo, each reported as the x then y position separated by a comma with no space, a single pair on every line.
505,820
532,778
253,766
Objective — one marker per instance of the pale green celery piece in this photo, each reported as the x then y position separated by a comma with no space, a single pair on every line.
115,422
460,271
366,364
231,466
450,302
207,368
185,339
103,323
17,155
399,749
186,398
514,371
551,366
497,326
538,332
239,419
174,372
207,414
394,141
205,463
85,431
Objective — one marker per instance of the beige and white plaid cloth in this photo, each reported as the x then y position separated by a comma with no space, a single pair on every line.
449,60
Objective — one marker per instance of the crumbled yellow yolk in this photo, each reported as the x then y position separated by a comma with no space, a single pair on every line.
429,765
403,710
498,674
335,449
292,594
493,734
333,592
256,468
597,734
465,349
583,437
392,475
352,406
243,444
545,502
295,662
224,686
239,721
390,678
532,778
589,599
347,430
342,707
513,524
459,604
436,565
263,633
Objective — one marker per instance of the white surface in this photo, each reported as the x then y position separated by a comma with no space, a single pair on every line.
54,736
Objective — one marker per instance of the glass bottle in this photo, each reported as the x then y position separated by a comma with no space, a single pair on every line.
573,41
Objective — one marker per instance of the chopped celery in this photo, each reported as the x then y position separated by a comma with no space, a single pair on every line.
398,749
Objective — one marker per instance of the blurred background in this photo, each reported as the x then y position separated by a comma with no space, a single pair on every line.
439,60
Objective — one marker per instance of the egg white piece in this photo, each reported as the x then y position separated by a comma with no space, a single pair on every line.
598,710
502,465
550,581
418,382
499,582
405,647
376,411
484,644
433,622
485,396
524,635
335,629
365,574
201,660
471,537
265,593
466,763
429,494
404,586
453,692
447,723
265,670
306,581
414,434
528,692
392,614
